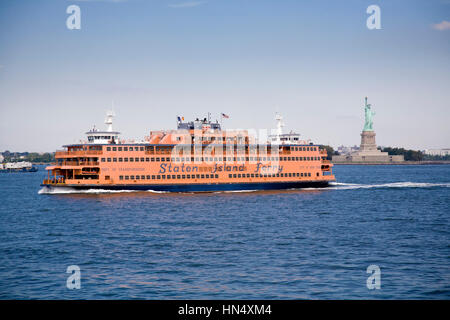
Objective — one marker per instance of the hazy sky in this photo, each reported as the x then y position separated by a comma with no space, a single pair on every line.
313,61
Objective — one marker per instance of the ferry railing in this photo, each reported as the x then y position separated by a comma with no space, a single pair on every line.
54,181
78,153
77,163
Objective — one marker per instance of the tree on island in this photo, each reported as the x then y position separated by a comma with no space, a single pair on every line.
330,151
410,155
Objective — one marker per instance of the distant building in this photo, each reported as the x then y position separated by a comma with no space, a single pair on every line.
347,150
1,158
438,152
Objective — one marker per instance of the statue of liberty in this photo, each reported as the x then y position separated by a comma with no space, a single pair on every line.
368,117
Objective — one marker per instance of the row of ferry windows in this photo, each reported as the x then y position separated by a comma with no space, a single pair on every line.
142,148
211,159
173,176
125,148
214,176
283,175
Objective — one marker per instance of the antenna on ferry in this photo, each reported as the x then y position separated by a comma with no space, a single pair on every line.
280,126
109,120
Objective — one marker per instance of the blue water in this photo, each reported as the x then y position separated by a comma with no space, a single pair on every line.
314,244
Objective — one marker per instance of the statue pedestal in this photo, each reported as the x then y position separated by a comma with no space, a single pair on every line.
368,144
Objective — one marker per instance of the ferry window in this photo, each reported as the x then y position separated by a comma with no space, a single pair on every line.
158,177
125,159
119,148
163,176
131,160
136,159
301,174
120,160
230,175
114,149
108,149
142,177
157,159
137,177
153,177
183,176
197,176
168,176
207,176
109,159
121,177
278,175
192,159
127,177
141,148
203,176
234,175
132,177
290,174
147,159
317,174
178,176
297,174
125,148
153,159
142,159
167,159
103,159
148,177
136,148
114,159
309,174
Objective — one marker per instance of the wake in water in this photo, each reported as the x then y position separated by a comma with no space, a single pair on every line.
408,184
333,186
68,190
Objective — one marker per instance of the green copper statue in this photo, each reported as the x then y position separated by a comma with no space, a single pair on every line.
369,117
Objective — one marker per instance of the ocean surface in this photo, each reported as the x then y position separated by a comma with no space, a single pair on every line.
295,244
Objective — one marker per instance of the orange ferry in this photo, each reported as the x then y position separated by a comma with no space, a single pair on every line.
198,156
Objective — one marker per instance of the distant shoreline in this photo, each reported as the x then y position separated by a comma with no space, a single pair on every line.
394,163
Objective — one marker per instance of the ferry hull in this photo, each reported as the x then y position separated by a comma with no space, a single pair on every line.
201,187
